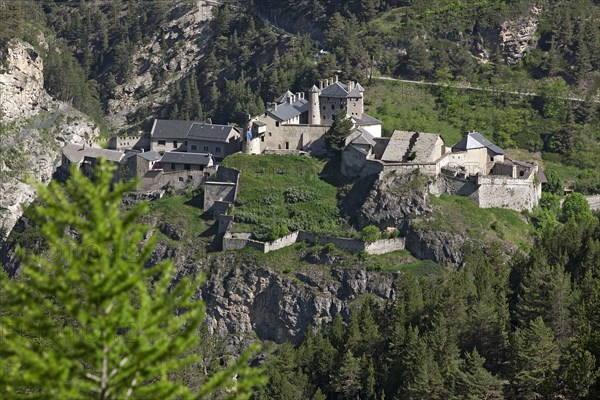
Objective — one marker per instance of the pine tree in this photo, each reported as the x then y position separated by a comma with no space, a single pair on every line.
535,361
475,382
340,129
545,292
347,378
88,319
420,375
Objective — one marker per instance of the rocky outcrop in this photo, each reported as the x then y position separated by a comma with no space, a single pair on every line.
243,298
389,201
442,247
516,36
22,93
32,131
184,38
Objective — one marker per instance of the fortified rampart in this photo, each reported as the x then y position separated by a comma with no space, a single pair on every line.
223,188
237,241
506,192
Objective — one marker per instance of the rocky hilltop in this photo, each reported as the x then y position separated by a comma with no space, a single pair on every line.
33,129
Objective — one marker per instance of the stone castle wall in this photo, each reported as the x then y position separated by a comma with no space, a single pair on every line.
237,241
505,192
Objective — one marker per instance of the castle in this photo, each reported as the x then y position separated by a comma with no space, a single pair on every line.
473,167
297,122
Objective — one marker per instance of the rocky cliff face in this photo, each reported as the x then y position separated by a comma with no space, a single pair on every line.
389,200
243,298
184,39
33,129
512,39
516,36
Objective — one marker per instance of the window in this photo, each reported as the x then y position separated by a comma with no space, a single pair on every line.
190,177
205,148
333,106
323,108
270,134
187,167
217,149
262,138
162,143
181,179
173,166
277,123
194,147
174,143
491,158
287,145
185,143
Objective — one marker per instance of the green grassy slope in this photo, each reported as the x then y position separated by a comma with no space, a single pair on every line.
280,193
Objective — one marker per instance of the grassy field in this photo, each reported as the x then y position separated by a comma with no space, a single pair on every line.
280,193
184,214
459,214
405,106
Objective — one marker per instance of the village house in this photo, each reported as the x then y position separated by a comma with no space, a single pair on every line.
297,122
130,142
194,137
86,158
179,161
139,162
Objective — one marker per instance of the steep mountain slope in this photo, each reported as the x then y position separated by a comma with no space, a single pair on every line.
33,129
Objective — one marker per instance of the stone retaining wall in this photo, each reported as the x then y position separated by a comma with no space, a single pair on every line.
236,241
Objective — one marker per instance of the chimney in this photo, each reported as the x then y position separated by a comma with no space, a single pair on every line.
290,99
142,149
331,80
209,121
336,78
321,84
298,96
275,106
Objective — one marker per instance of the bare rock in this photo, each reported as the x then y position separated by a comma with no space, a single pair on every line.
389,201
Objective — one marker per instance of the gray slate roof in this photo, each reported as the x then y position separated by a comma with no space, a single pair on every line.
288,111
212,132
77,152
403,144
473,140
150,155
175,129
337,89
362,137
366,120
186,158
283,97
170,129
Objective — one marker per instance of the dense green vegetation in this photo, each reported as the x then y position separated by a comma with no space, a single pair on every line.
279,194
87,319
565,134
520,329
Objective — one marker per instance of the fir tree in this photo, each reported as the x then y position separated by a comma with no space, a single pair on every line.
535,361
88,319
340,129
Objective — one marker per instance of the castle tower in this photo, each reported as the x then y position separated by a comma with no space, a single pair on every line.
314,113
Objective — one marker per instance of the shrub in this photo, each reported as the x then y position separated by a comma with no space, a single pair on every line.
370,234
298,195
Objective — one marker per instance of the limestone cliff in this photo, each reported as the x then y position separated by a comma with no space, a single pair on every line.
184,39
33,128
